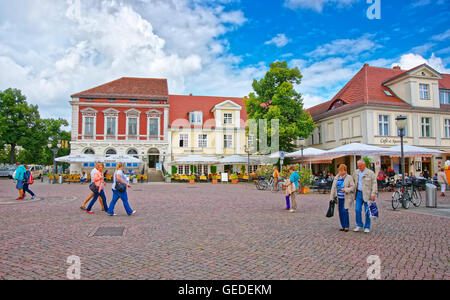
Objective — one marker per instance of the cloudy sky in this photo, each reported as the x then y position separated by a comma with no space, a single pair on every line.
51,49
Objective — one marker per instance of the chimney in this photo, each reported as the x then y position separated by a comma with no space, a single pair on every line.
396,68
190,94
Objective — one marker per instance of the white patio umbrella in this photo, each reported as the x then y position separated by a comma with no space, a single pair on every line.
356,149
235,159
307,153
79,158
116,158
411,151
194,160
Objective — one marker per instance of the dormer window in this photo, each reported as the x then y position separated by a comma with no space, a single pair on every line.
424,91
388,93
196,118
227,118
337,104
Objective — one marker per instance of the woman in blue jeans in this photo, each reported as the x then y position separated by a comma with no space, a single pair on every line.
342,188
99,181
120,177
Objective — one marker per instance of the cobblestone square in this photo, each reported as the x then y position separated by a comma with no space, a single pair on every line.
207,231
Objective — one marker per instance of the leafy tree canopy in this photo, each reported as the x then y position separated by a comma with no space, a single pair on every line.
274,97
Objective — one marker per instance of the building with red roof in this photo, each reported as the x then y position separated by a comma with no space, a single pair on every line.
365,109
138,117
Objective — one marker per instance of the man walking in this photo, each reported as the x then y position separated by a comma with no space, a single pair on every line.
294,185
366,191
26,184
18,179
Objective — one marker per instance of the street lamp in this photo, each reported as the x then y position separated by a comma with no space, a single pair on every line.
401,125
302,143
54,150
247,150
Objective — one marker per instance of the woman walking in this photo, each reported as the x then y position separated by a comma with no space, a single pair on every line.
119,188
83,206
342,188
442,180
99,181
292,188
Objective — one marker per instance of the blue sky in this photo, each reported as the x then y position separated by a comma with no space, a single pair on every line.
52,49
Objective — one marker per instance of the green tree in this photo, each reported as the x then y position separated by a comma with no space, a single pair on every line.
21,125
274,97
17,120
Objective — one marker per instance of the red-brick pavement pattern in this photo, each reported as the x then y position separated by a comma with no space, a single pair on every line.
210,231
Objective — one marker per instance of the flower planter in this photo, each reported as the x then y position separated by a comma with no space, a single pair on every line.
192,181
305,190
168,180
214,181
135,181
234,181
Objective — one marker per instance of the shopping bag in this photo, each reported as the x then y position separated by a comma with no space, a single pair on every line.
373,210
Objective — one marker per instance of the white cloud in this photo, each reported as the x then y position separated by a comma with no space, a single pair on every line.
442,37
72,46
280,40
411,60
344,47
317,5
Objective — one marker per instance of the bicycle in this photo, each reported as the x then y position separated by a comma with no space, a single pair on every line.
405,196
262,184
277,186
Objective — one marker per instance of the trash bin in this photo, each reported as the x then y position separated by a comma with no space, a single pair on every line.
431,194
60,179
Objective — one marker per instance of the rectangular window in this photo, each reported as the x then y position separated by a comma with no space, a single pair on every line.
202,140
187,170
132,126
447,128
312,139
227,118
444,97
426,127
383,125
153,127
319,130
424,92
196,118
89,126
180,169
111,126
183,140
228,141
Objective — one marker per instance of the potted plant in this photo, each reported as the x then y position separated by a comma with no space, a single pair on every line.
168,178
214,179
234,178
305,180
135,181
191,179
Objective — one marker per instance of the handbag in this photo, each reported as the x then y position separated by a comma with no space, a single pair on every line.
330,212
120,187
93,188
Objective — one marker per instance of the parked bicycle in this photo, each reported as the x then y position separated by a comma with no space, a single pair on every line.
407,194
262,183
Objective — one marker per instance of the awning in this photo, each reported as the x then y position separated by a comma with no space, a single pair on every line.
237,160
194,160
413,151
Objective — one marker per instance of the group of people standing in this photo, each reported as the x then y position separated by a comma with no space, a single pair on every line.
98,186
23,180
361,188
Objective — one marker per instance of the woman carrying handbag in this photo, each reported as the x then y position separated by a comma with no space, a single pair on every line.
98,188
119,188
342,189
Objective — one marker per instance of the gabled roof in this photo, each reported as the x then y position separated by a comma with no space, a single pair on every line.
410,71
129,88
181,105
444,83
364,88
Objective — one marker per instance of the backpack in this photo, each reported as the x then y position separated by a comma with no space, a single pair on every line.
28,177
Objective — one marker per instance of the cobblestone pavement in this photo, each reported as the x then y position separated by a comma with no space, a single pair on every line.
207,231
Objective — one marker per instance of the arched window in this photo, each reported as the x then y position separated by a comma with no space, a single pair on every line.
89,151
133,152
110,152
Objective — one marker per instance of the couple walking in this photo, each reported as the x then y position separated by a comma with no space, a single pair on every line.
119,189
361,188
23,180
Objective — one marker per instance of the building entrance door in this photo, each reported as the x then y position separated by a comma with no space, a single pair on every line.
153,158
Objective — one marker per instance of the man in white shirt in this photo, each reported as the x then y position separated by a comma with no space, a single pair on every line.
83,206
366,191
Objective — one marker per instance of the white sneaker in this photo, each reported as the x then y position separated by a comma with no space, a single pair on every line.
132,213
367,230
291,210
357,228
